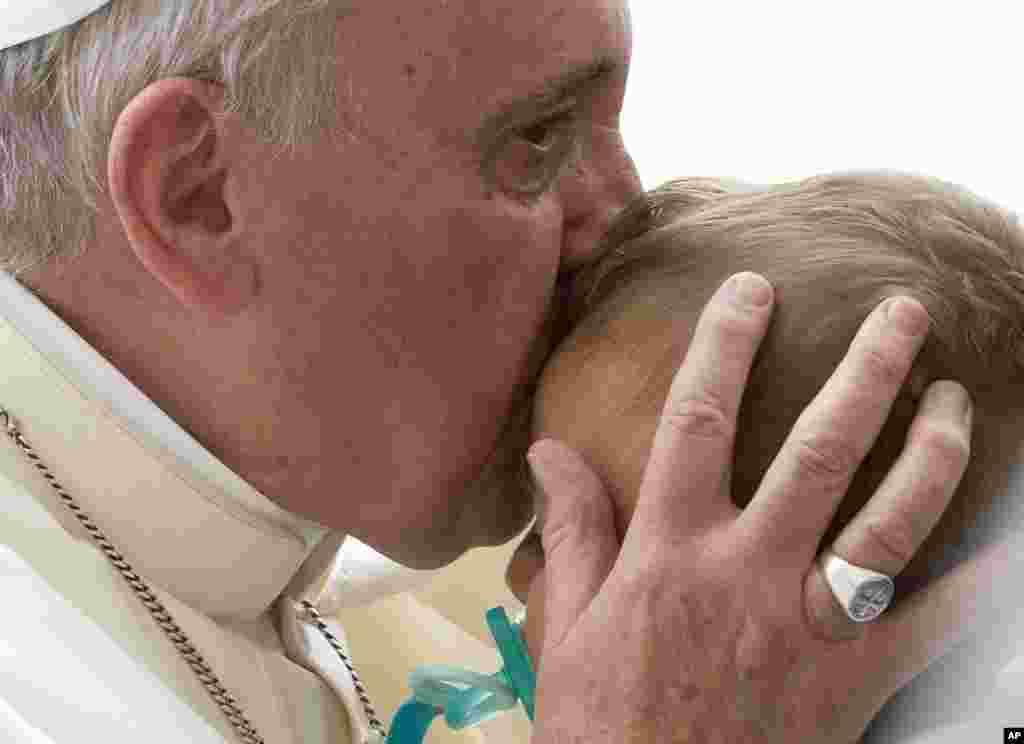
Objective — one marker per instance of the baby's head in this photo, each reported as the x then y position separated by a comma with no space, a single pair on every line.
833,247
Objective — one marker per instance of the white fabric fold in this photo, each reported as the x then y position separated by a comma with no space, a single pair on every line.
61,662
24,20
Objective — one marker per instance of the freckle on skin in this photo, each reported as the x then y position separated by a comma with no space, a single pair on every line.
409,70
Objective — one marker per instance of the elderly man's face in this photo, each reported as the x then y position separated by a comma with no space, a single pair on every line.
410,291
428,258
380,304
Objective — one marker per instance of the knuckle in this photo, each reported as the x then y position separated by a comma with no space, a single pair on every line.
931,499
569,476
649,573
825,619
893,536
828,458
555,536
575,524
701,416
883,368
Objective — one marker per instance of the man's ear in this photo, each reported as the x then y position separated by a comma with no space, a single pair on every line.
171,161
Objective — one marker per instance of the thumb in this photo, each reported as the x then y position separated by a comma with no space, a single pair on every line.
576,520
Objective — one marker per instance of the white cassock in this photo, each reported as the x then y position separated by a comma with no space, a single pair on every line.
82,659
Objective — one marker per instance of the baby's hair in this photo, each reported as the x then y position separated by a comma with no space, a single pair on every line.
872,234
834,247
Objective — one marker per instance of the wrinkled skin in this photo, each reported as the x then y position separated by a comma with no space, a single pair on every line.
349,328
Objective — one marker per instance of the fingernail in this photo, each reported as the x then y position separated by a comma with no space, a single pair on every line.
750,290
908,316
951,398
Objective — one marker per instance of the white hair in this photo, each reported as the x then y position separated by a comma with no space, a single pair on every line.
61,95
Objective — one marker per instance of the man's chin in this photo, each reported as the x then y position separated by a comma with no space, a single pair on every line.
439,554
501,518
422,557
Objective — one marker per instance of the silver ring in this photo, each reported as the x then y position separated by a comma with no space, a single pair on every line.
863,594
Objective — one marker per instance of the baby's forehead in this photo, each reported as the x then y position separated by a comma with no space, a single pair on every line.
621,354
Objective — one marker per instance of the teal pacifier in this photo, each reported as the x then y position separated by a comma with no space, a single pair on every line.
467,698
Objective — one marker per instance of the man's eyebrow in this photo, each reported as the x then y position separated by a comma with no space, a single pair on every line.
523,111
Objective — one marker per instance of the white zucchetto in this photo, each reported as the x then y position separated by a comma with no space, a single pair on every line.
24,20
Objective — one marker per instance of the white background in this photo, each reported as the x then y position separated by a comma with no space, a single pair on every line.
774,91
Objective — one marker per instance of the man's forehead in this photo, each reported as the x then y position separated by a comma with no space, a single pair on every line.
473,68
552,56
517,46
575,79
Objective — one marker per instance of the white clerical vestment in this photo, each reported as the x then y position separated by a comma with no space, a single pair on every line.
83,660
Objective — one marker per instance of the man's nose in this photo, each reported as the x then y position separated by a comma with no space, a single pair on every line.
594,190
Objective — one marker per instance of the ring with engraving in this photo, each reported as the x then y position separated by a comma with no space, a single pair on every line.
864,594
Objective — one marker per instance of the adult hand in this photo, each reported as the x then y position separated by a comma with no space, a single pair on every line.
716,624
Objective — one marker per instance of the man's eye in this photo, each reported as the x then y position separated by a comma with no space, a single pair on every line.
533,157
542,133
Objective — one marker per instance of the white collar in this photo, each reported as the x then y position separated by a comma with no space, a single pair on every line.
182,519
